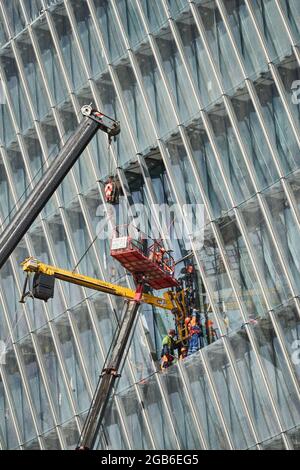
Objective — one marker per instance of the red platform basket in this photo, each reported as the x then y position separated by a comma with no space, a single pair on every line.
156,265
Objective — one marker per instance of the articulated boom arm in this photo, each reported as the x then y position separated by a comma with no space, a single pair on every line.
32,265
92,121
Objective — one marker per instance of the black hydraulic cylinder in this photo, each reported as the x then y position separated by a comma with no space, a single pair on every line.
45,188
110,374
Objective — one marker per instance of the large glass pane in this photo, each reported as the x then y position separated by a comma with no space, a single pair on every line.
134,419
131,21
241,268
110,31
292,10
7,430
155,90
157,413
198,60
185,425
216,275
15,88
55,380
33,76
256,395
69,48
228,394
220,45
266,256
253,138
276,119
272,27
14,15
208,169
245,36
204,403
287,230
176,74
89,41
51,65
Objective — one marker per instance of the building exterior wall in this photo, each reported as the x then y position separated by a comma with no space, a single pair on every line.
207,93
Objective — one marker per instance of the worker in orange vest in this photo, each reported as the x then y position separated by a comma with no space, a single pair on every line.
110,191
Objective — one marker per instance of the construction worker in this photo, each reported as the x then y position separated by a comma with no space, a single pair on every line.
183,353
110,191
194,333
168,347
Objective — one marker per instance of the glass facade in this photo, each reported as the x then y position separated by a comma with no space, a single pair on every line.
208,96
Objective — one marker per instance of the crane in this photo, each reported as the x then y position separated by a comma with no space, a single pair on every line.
144,268
173,300
92,121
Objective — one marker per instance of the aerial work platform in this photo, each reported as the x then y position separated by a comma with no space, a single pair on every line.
154,264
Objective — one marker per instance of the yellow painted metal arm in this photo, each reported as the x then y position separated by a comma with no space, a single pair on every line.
31,265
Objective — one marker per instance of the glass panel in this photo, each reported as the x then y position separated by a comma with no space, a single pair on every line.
157,413
155,90
14,15
51,65
68,47
134,419
93,54
256,395
278,375
63,252
245,36
33,76
37,389
208,170
292,11
131,21
55,380
232,158
203,401
228,393
113,437
12,296
110,31
20,403
176,74
51,441
88,342
294,435
241,268
72,362
198,60
290,75
7,431
33,8
177,5
276,119
15,88
289,321
266,256
277,443
181,413
220,45
154,12
216,275
287,231
135,106
254,140
272,27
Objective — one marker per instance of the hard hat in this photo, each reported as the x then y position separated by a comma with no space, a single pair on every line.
172,332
